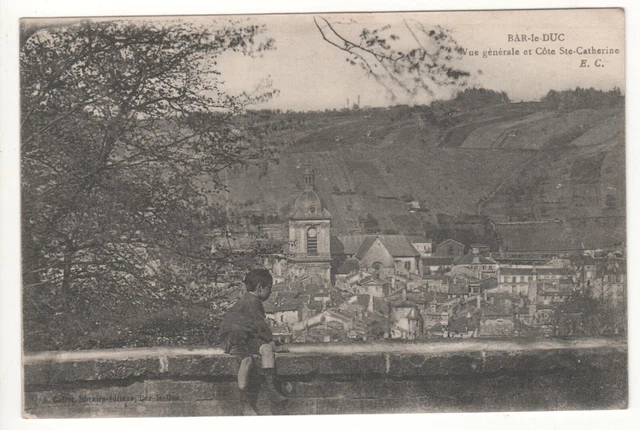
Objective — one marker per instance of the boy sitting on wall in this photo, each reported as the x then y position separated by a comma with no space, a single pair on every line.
244,332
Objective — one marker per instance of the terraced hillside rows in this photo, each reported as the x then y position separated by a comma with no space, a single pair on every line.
537,130
377,165
555,186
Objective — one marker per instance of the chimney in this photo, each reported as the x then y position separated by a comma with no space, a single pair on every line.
478,301
404,294
476,251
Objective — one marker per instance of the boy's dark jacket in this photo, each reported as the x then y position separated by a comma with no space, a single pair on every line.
247,316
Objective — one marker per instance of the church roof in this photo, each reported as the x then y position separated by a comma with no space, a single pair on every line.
348,244
364,246
397,245
310,205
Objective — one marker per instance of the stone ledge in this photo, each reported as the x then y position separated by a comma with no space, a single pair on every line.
458,376
308,361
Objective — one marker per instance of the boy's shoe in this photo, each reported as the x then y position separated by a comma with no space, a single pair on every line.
245,404
270,386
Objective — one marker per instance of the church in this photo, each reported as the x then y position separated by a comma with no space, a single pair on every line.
314,255
309,247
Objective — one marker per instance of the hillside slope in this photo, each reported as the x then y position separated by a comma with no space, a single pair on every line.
523,164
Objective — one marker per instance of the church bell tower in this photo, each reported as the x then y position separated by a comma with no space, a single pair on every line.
310,234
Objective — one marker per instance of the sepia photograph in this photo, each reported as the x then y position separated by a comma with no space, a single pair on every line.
323,213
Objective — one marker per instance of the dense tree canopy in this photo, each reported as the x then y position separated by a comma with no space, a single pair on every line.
584,98
125,130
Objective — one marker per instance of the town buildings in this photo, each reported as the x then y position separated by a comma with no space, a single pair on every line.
374,286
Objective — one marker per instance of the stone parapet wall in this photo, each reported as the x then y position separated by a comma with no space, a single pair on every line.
456,376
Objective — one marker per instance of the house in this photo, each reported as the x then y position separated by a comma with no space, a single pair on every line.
384,254
553,293
449,248
435,311
435,318
437,283
323,297
475,286
550,274
388,254
282,333
277,265
413,281
466,324
321,318
479,248
458,288
423,245
481,266
372,286
432,265
496,320
406,320
516,280
287,312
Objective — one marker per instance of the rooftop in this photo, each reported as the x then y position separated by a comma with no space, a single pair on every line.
458,289
449,241
437,261
471,258
509,271
397,245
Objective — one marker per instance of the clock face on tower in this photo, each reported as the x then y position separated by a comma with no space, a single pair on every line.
312,232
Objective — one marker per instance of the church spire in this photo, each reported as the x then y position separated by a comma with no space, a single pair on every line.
308,177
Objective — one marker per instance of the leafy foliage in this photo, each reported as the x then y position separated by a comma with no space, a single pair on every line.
410,60
125,132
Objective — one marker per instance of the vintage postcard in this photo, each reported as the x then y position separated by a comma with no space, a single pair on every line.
356,213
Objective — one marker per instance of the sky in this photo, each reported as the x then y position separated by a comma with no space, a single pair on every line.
310,74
